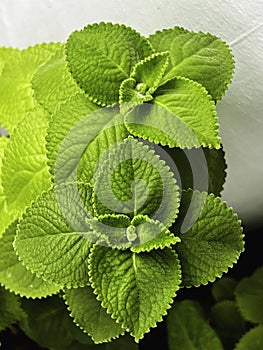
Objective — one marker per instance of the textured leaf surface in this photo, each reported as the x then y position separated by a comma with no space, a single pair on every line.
181,114
50,239
48,323
90,316
187,329
14,276
5,54
118,278
204,58
102,55
249,297
4,214
253,339
10,310
53,84
211,239
16,94
133,180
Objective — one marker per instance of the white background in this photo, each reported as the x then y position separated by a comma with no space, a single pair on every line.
239,22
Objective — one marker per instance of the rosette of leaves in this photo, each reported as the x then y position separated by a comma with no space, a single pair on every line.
90,207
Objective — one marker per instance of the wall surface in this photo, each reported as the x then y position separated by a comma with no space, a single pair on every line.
240,23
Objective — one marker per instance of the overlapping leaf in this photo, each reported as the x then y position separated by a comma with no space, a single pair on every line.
118,278
204,58
101,56
10,309
253,339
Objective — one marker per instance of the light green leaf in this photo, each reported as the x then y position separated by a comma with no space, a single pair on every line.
10,310
136,289
249,297
187,329
211,238
253,339
228,322
16,94
4,214
71,130
52,236
204,58
132,180
14,276
53,84
181,114
89,315
24,170
48,323
5,54
101,56
223,289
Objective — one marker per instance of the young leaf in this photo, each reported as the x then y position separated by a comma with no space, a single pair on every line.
211,238
50,238
187,329
53,84
16,94
48,323
204,58
89,315
181,114
136,289
14,276
132,180
101,56
10,310
253,339
5,54
249,297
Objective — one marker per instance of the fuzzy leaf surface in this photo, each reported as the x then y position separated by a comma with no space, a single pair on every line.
101,56
202,57
119,279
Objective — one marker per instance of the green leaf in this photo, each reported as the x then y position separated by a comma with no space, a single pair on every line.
48,323
4,214
253,339
227,321
132,180
249,296
5,54
204,58
71,130
223,289
211,238
181,114
89,315
14,276
53,84
10,310
187,329
52,236
24,170
136,289
16,94
122,343
101,56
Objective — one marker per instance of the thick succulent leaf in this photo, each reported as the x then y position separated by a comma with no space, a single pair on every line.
204,58
132,180
136,289
249,297
16,94
89,315
14,276
223,289
52,237
228,322
211,238
181,114
24,170
101,56
10,309
67,128
187,329
53,84
253,339
48,323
